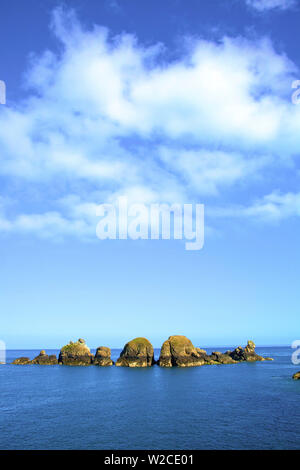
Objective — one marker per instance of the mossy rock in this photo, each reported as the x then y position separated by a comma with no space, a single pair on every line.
75,354
137,353
22,361
179,351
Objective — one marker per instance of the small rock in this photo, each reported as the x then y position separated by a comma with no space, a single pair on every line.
44,360
22,361
102,357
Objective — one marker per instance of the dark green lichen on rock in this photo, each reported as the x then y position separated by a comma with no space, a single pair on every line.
103,357
75,354
137,353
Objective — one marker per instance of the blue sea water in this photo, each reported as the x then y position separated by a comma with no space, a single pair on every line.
240,406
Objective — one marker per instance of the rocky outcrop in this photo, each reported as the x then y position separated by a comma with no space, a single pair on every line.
247,354
75,354
137,353
296,376
179,351
222,358
44,360
102,357
22,361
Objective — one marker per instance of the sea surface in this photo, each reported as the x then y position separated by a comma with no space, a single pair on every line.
240,406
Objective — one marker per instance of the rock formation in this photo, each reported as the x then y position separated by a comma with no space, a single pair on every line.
222,358
75,354
102,357
296,376
179,351
22,361
137,353
44,359
247,354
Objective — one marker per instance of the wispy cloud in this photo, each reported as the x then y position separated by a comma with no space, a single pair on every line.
273,207
263,5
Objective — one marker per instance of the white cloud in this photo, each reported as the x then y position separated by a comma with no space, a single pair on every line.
273,207
109,117
263,5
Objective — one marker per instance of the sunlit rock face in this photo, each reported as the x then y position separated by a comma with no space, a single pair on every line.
22,361
75,354
179,351
102,357
137,353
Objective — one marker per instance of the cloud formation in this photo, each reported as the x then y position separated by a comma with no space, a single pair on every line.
109,117
262,5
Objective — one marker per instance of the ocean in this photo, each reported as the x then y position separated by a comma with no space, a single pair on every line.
240,406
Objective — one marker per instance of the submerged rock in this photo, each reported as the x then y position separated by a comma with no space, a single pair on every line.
22,361
296,376
179,351
137,353
102,357
75,354
44,359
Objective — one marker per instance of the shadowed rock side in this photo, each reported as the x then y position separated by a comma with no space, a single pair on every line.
102,357
296,376
137,353
75,354
44,360
178,351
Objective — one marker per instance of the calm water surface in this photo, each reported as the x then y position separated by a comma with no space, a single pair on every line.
241,406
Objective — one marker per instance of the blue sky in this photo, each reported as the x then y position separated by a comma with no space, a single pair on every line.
174,101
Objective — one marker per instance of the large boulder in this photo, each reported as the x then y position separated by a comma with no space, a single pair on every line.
102,357
22,361
75,354
179,351
296,376
137,353
44,360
